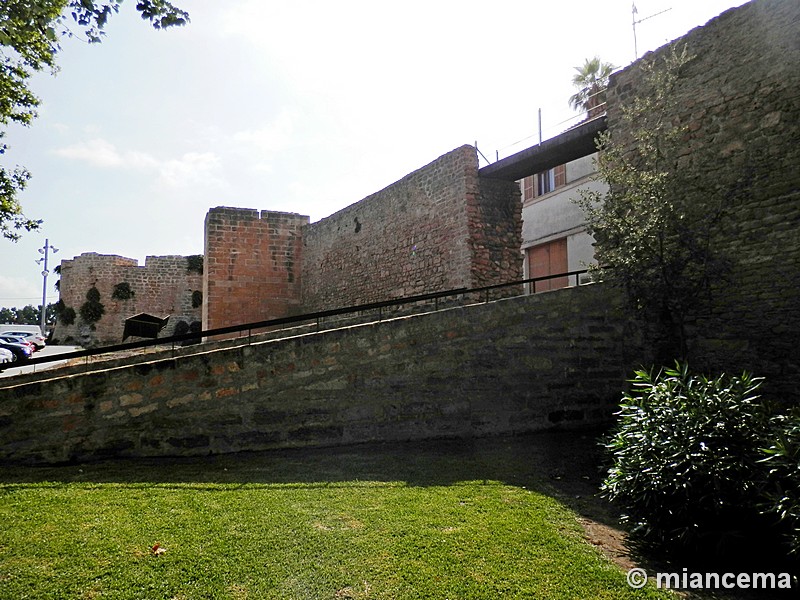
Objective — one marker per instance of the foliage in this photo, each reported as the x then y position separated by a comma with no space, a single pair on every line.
783,463
194,264
64,314
592,80
685,457
652,234
122,291
423,521
30,34
92,310
28,315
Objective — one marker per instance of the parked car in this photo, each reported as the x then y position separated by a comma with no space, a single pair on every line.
15,339
37,339
21,352
6,358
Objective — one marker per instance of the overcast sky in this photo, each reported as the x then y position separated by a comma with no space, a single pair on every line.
303,106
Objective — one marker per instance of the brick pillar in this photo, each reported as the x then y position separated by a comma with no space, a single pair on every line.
252,266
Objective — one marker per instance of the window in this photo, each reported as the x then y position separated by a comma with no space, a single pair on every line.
544,182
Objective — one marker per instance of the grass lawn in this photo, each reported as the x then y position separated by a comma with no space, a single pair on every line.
435,520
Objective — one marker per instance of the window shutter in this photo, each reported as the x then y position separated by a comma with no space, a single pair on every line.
561,175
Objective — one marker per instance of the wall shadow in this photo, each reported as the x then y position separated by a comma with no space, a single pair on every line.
563,464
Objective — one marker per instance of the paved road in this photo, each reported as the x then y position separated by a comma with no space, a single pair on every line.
46,351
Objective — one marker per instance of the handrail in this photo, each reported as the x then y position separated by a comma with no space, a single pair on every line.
197,335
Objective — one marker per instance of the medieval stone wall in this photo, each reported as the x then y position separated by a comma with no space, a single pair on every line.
441,227
164,286
494,217
739,99
253,266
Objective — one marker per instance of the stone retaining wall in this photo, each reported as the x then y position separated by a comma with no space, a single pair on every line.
523,364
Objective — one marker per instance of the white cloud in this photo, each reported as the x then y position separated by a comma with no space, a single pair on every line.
270,138
191,169
102,153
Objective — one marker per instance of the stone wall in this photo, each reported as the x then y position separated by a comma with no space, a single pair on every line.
253,266
739,100
557,359
407,239
164,286
439,228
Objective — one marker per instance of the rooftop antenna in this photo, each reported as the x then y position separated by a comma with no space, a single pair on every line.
636,21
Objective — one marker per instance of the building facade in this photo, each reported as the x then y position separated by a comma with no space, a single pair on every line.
554,236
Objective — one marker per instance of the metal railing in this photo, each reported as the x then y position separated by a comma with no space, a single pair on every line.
479,294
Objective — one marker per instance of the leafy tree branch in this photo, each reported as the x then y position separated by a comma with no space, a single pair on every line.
30,35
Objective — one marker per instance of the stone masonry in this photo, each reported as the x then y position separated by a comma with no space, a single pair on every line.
501,367
441,227
253,265
739,100
164,286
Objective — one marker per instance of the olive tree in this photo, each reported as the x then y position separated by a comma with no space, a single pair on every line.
653,227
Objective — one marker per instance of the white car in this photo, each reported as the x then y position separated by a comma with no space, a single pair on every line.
6,356
37,339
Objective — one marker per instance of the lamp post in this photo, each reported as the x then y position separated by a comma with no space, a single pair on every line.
45,250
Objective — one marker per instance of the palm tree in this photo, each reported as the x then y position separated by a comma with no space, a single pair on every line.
591,79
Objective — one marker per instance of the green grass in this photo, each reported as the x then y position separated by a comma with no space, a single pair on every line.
451,520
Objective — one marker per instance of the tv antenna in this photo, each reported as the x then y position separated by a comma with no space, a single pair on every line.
636,21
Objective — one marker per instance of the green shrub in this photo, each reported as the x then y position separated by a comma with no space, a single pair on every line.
64,314
194,264
92,310
197,299
783,463
686,459
122,291
67,316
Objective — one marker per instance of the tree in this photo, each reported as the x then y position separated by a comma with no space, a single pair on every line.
30,34
28,315
654,226
591,80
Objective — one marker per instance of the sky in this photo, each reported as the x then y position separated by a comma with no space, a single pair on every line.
305,106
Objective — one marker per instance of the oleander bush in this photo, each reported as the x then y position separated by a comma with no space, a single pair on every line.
783,464
687,460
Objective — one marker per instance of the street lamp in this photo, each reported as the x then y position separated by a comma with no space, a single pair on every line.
45,250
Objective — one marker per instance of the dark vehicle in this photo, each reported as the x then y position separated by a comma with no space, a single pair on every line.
22,352
15,339
37,339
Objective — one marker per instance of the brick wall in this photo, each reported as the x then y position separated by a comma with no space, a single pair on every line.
253,265
557,359
163,286
739,100
440,227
